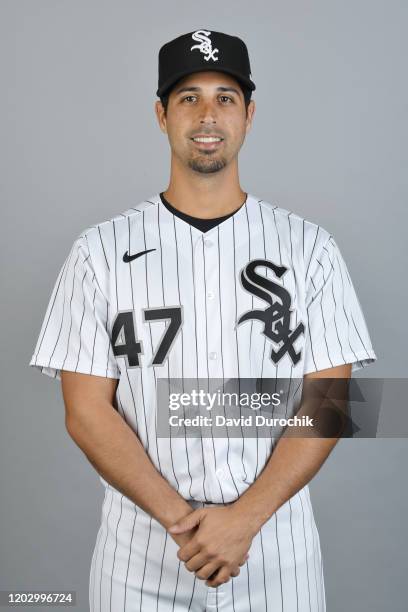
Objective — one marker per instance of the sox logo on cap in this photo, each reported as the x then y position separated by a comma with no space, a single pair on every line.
205,45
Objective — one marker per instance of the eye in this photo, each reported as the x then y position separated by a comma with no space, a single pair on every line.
226,98
187,98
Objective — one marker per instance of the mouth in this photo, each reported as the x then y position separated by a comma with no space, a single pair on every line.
207,143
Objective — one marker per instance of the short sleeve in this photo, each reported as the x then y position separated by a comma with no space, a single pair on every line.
337,331
74,333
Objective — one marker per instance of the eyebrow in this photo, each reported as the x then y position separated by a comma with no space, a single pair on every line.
220,88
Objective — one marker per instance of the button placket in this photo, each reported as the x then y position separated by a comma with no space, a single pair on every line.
205,259
211,254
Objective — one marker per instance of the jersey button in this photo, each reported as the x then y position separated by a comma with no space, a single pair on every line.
220,473
213,355
210,295
208,243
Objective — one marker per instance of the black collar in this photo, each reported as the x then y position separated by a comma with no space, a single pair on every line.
202,224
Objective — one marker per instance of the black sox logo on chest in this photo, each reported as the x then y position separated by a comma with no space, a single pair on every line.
276,317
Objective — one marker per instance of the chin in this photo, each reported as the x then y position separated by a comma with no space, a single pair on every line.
207,166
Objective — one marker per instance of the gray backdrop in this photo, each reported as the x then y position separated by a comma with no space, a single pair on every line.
80,143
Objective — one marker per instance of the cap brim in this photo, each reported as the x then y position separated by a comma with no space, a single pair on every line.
175,77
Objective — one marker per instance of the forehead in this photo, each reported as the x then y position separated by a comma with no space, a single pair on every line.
207,80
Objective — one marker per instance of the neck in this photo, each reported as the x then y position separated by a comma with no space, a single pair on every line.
204,195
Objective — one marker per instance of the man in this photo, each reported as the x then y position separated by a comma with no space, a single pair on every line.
201,281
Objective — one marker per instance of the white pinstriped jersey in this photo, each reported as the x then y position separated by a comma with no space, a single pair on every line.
109,317
264,294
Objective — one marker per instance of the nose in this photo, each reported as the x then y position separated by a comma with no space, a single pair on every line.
208,113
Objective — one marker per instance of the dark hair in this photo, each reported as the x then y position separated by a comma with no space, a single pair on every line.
247,97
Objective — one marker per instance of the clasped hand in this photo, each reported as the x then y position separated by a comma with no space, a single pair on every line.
218,545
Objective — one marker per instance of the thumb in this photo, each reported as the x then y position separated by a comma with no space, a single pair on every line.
186,523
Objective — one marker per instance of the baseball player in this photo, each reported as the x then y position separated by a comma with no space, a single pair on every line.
200,281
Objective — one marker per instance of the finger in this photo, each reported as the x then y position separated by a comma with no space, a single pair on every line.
221,577
231,573
206,571
188,550
197,562
188,522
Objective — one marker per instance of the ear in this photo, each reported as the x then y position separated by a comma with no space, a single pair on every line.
250,115
161,116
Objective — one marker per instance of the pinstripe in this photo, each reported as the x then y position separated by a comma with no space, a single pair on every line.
310,339
182,349
235,293
149,326
60,327
236,337
116,264
70,312
249,587
264,248
82,320
168,359
323,319
306,551
279,558
145,563
263,569
106,329
294,554
95,555
161,570
358,333
175,590
266,256
114,552
127,373
205,308
232,595
222,356
103,551
103,248
311,254
335,307
314,556
249,257
283,282
196,346
250,335
96,328
194,300
92,266
192,594
344,309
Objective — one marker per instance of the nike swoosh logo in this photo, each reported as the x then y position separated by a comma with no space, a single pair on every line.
127,257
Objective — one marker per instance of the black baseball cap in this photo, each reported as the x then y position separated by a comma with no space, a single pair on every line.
200,51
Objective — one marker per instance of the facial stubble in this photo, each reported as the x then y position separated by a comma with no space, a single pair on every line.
207,165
